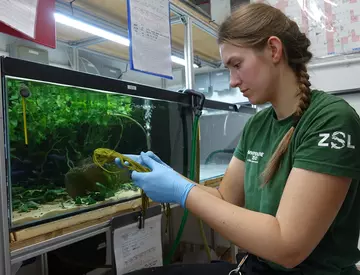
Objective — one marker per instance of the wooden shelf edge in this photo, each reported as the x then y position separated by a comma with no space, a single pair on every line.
36,234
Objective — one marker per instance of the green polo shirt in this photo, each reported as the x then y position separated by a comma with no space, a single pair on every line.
326,140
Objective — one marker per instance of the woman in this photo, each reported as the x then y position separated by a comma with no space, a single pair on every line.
290,195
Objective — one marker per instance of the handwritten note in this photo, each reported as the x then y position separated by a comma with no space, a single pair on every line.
150,36
138,248
20,15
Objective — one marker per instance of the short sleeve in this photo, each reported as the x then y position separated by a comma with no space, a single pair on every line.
331,142
240,148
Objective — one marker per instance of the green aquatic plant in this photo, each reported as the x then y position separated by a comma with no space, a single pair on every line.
64,125
54,109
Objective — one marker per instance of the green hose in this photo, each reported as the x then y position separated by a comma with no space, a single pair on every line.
186,212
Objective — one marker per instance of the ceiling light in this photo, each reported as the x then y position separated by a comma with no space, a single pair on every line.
71,22
68,21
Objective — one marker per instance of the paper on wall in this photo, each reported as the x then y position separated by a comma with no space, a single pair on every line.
20,15
150,36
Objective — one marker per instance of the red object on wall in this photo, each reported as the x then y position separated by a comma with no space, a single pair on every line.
45,25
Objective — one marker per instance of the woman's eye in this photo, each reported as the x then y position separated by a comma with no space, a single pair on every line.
237,66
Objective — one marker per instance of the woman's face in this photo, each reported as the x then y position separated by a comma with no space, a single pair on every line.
251,71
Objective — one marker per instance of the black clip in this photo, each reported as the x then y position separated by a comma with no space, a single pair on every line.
198,104
141,221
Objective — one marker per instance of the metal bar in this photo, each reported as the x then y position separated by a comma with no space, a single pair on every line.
201,25
44,264
87,42
346,62
189,55
175,20
75,59
5,268
345,92
163,83
57,242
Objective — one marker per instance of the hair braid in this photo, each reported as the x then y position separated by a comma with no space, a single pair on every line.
304,102
304,91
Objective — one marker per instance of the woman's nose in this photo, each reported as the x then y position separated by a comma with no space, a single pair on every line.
235,81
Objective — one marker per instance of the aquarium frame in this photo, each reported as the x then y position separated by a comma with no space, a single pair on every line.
4,203
33,71
9,68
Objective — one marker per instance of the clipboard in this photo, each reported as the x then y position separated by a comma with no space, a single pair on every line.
134,247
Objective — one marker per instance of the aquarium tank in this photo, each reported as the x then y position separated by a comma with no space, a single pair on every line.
53,131
56,122
220,132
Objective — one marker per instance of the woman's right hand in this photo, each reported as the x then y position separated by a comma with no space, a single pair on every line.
138,159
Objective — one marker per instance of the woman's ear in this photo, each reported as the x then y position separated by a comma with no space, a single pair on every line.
275,47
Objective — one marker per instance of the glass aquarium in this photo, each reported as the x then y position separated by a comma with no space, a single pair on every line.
53,131
220,132
57,122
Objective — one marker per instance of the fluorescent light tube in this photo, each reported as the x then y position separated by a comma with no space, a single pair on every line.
68,21
71,22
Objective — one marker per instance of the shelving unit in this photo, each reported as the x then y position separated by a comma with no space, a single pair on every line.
112,15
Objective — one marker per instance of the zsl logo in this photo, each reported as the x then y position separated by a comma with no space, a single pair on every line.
336,140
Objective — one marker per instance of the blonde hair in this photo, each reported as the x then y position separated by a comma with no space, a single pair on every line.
251,26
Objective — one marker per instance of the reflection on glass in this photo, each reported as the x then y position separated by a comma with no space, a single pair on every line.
220,132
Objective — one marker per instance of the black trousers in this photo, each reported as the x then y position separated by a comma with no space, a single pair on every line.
252,266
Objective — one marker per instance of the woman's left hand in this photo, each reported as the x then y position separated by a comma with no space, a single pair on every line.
162,184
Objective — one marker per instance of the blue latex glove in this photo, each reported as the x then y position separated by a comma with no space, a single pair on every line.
162,184
138,159
133,157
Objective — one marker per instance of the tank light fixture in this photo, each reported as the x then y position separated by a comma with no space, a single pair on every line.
79,25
